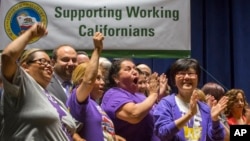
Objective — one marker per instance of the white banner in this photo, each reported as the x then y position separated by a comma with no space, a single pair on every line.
126,24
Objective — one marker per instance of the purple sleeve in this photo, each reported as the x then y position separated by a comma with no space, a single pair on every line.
77,110
113,100
216,131
165,126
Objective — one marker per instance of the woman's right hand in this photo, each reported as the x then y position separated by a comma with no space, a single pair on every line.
38,30
98,40
153,84
193,103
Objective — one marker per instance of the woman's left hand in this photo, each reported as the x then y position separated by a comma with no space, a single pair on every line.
217,108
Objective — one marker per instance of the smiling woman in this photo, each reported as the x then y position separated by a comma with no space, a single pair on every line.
30,111
180,116
236,109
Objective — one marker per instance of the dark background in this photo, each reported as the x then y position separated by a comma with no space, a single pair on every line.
220,37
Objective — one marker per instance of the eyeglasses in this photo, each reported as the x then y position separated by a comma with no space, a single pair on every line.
41,61
181,75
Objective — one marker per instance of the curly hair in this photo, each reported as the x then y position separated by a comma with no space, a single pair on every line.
232,94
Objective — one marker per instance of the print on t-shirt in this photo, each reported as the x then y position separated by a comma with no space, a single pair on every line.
192,130
107,126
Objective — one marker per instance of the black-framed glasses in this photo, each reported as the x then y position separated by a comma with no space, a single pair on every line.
41,61
181,75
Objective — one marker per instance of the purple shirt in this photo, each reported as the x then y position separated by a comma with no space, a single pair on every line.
114,99
97,126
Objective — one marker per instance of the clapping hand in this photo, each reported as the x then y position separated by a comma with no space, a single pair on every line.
164,88
153,86
193,103
218,107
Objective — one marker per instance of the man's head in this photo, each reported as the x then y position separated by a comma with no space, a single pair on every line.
64,59
82,57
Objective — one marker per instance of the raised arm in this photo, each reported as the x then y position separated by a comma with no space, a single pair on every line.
91,71
13,51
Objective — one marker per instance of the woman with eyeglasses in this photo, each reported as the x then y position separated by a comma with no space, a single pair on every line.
30,111
181,116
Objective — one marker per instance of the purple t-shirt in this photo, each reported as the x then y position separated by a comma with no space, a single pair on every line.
114,99
97,126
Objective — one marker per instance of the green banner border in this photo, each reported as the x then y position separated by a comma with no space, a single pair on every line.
140,53
143,53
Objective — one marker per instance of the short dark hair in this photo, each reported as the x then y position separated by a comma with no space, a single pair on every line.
115,68
54,52
184,64
213,89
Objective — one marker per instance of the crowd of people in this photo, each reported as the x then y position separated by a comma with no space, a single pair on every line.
73,96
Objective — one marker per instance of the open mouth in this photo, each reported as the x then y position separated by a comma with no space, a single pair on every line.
136,80
101,89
